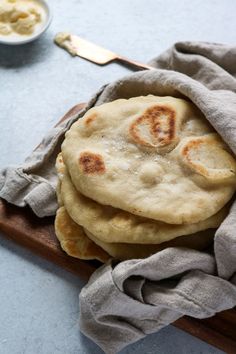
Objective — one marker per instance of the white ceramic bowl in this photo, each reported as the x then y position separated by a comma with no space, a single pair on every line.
26,39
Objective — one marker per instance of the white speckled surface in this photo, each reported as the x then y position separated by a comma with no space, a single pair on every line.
38,84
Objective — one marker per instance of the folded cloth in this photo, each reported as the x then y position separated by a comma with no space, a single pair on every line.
123,302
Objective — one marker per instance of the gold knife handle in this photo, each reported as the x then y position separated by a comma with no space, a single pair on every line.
134,64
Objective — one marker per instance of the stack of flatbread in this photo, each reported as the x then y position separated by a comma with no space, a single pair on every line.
141,174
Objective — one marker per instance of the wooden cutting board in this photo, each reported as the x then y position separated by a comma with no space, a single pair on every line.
36,234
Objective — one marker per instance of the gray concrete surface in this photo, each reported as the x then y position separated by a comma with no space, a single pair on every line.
38,84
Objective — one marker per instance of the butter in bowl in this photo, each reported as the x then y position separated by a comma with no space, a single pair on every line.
22,21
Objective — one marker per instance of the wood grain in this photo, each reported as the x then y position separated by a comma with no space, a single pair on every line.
37,234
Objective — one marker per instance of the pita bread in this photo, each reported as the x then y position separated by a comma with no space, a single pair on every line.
156,157
116,226
74,241
122,251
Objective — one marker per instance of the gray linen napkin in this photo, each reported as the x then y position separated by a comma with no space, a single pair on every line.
123,302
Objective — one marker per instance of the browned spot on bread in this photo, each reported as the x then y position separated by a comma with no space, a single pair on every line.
194,145
91,163
90,119
207,157
160,122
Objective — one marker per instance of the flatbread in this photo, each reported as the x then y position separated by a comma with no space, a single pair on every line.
81,244
122,251
156,157
74,241
115,226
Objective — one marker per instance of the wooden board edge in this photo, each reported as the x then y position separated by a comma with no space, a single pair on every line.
77,267
18,225
198,329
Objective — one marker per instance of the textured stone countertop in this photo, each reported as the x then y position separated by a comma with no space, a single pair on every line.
38,83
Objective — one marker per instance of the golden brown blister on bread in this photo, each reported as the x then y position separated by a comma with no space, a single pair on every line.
91,163
90,119
207,156
161,132
74,241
